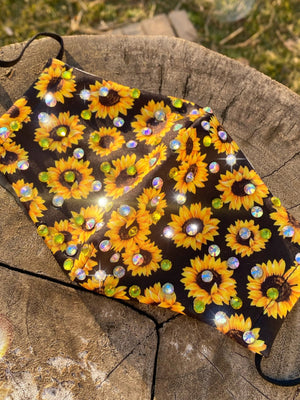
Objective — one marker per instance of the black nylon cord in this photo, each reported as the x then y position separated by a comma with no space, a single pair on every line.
278,382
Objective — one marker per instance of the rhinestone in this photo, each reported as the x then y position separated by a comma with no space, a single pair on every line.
84,94
146,131
59,238
208,110
118,122
109,290
220,318
207,141
15,125
177,127
154,202
69,176
175,145
168,288
137,259
43,176
265,233
166,265
233,263
99,225
217,203
189,177
157,183
50,100
256,211
105,167
80,274
135,93
249,337
231,159
134,291
67,75
236,303
244,233
44,143
95,137
222,135
191,229
207,276
119,271
257,272
205,125
100,275
115,258
44,118
71,250
26,191
42,230
133,231
78,153
96,186
173,172
276,201
4,132
214,167
214,250
249,188
79,220
86,114
199,306
90,224
159,115
168,232
68,264
124,210
156,216
105,245
131,144
103,91
272,293
23,165
177,103
297,258
181,198
131,170
288,231
152,161
86,250
195,112
57,200
61,131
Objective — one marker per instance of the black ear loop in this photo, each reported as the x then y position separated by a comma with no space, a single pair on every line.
289,382
59,56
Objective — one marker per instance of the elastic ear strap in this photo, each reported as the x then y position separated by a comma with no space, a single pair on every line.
58,38
291,382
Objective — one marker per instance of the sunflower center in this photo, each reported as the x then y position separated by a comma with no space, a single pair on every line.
238,187
55,84
123,179
147,257
293,221
9,158
244,241
155,125
68,177
207,286
106,141
279,283
67,236
129,232
237,335
192,226
111,99
14,111
189,146
59,132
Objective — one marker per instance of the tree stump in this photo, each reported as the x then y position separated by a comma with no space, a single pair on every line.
70,344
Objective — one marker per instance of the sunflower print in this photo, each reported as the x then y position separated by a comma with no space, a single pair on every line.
221,287
153,201
126,232
284,219
32,201
84,261
105,141
60,132
157,127
109,287
71,178
142,259
236,326
276,291
194,226
250,243
19,112
126,174
189,144
116,100
86,223
235,186
191,174
10,155
155,158
59,236
154,295
196,113
56,80
223,144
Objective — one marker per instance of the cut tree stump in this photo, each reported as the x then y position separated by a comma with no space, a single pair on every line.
70,344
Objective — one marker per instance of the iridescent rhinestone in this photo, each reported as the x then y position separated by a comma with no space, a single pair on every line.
100,275
272,293
69,176
59,238
166,265
119,271
95,137
207,276
207,141
105,245
133,231
103,91
96,186
208,110
236,303
44,118
156,216
195,112
244,233
217,203
199,306
68,264
146,131
173,172
71,250
78,153
288,231
177,127
115,258
26,191
86,114
137,259
214,167
57,200
276,201
61,131
80,274
67,75
124,210
4,132
205,125
220,318
105,167
154,202
118,122
256,211
109,290
159,115
90,224
42,230
214,250
249,188
257,272
43,176
233,263
15,125
99,225
223,135
175,144
134,291
157,182
265,233
189,177
131,144
168,288
86,250
177,103
249,337
180,198
126,189
44,143
231,159
79,220
191,229
135,93
23,165
168,232
84,94
50,100
297,258
131,170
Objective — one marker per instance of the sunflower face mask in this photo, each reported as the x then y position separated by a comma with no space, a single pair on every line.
147,197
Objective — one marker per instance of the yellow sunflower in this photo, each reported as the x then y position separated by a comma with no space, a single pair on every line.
36,207
59,236
85,260
191,174
155,120
19,111
60,132
236,326
285,220
109,287
222,141
142,259
209,280
126,174
153,201
10,154
56,80
276,291
85,222
71,178
33,202
128,231
155,295
189,144
155,158
115,99
242,188
193,226
105,141
244,238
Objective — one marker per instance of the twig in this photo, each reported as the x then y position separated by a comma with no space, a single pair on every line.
232,35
